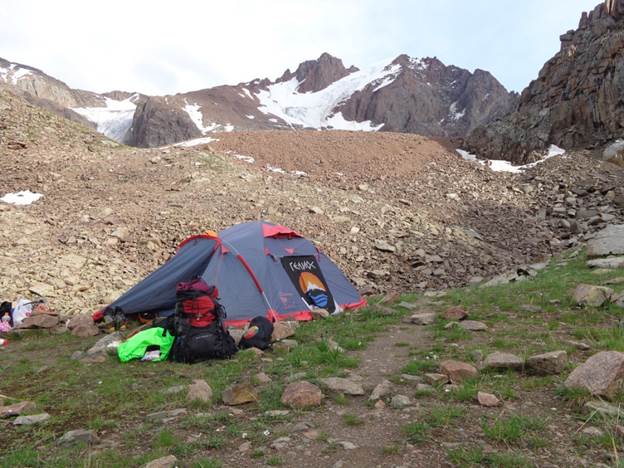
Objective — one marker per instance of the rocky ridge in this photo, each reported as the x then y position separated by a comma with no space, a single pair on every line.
576,100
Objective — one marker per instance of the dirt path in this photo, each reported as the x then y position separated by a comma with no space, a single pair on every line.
378,439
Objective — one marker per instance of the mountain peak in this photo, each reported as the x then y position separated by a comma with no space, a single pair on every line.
314,75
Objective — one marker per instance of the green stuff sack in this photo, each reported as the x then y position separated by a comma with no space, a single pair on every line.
137,346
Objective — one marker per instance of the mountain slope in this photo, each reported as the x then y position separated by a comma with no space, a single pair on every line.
576,101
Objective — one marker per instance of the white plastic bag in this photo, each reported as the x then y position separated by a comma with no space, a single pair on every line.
22,310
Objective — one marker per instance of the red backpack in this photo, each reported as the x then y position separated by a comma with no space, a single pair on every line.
197,303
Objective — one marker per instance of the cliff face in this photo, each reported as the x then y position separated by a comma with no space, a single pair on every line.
577,99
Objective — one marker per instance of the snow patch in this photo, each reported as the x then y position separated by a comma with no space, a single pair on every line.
247,93
316,110
196,142
25,197
114,119
247,159
299,173
19,74
454,114
498,165
251,117
276,169
338,122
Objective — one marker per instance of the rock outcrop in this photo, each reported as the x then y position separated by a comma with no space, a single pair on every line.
576,101
314,75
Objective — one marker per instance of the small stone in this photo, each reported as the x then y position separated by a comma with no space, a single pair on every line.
312,435
301,395
608,263
281,443
283,329
487,399
239,394
592,431
199,390
379,404
421,387
262,378
384,246
503,361
579,345
593,296
411,378
381,390
175,389
244,447
301,427
423,318
473,325
436,379
456,314
32,419
121,233
16,409
79,435
164,416
170,461
341,385
102,343
347,445
604,408
42,290
286,345
399,401
458,371
277,413
548,363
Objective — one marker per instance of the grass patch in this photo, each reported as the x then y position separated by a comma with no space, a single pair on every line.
511,429
437,417
477,457
352,420
417,367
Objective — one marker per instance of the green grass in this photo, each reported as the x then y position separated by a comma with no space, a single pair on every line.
437,417
465,457
418,367
511,429
352,420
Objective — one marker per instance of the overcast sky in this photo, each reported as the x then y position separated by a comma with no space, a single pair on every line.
169,46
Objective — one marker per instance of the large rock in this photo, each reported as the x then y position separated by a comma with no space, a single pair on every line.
487,400
473,325
40,321
503,361
423,318
170,461
32,419
199,390
301,395
608,263
551,363
609,241
16,409
455,313
573,103
77,436
458,371
346,386
283,329
381,390
239,394
601,374
590,295
101,345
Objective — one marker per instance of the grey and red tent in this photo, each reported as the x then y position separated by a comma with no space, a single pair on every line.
260,268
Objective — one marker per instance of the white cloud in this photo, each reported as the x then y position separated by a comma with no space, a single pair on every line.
162,46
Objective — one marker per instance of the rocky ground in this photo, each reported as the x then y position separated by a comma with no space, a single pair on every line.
396,212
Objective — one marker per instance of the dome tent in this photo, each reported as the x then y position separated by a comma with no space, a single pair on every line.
259,268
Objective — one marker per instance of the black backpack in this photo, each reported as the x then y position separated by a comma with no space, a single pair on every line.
258,335
194,342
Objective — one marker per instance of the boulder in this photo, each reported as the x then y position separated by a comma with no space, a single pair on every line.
341,385
301,395
199,390
455,313
381,390
604,408
262,378
166,416
609,241
436,379
423,318
458,371
551,363
283,329
503,361
590,295
610,263
16,409
32,419
487,400
170,461
239,394
601,374
40,321
400,401
619,300
101,345
84,330
473,325
79,435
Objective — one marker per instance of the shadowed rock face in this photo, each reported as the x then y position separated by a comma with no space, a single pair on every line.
158,122
432,99
315,75
576,101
